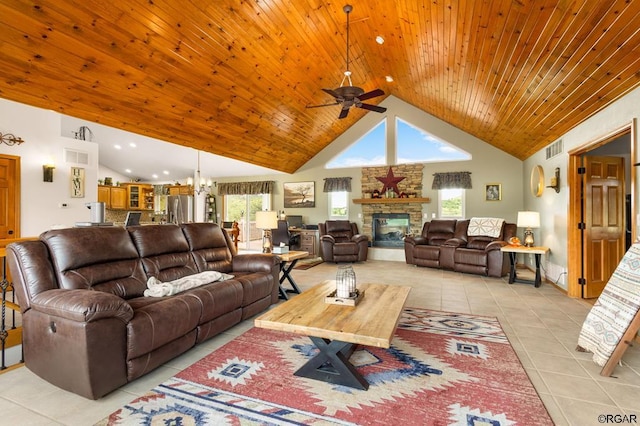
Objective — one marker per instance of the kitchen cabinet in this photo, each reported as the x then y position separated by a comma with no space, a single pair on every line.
139,196
114,197
180,190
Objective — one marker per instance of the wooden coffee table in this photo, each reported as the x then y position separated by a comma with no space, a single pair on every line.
337,330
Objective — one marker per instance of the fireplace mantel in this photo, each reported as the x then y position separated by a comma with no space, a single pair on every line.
391,200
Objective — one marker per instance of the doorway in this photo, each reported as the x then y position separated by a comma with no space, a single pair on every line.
242,209
600,179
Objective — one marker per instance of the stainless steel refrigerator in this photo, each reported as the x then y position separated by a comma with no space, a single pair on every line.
180,208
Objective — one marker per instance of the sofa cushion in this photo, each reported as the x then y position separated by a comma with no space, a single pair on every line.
440,231
479,243
164,251
470,257
347,248
100,258
208,246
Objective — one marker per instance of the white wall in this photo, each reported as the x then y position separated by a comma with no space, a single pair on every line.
40,200
488,165
554,207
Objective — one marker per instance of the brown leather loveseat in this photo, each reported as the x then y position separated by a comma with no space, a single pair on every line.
446,244
88,328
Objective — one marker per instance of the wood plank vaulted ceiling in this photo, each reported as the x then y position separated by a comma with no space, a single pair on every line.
234,77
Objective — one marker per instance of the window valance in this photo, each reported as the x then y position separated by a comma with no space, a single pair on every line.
243,188
339,184
452,180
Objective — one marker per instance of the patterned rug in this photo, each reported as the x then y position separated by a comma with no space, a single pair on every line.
442,368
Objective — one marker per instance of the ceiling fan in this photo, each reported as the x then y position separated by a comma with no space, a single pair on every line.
350,95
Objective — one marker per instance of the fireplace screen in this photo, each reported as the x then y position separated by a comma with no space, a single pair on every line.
389,229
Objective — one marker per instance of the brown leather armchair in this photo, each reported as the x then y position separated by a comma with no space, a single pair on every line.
341,242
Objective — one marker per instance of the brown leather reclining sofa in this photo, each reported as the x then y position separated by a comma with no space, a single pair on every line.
88,329
446,244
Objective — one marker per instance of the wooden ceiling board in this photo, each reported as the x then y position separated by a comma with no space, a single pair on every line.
235,78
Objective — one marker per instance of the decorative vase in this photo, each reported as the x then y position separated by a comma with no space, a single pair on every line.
345,282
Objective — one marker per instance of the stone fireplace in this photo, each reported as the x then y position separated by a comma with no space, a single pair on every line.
412,207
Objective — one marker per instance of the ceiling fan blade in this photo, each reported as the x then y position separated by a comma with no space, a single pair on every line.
371,94
343,113
323,105
332,93
375,108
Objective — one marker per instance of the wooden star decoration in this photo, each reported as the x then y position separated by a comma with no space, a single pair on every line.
390,181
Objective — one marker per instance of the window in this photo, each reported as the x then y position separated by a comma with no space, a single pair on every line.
415,145
367,151
451,203
338,205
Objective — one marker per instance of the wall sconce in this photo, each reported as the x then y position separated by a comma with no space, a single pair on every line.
555,181
47,172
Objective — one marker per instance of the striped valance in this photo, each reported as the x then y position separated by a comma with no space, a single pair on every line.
452,180
243,188
339,184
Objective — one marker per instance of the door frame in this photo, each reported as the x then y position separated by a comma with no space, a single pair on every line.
574,236
18,193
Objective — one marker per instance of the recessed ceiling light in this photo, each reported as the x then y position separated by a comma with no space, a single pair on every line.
132,145
128,170
166,172
155,176
380,40
389,79
117,147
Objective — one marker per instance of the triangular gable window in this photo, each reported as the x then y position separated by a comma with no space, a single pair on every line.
369,150
415,145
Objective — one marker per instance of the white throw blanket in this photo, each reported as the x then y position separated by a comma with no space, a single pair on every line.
157,288
485,226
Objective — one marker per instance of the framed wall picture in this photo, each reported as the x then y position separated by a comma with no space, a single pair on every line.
299,194
77,182
493,192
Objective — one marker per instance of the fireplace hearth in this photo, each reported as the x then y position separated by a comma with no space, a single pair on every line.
389,229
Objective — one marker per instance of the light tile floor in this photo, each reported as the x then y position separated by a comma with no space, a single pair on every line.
542,325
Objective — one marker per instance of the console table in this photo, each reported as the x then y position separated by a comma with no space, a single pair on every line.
513,251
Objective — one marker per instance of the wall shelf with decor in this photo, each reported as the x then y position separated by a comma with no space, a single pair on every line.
391,200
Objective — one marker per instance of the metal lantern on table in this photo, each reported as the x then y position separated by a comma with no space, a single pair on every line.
345,282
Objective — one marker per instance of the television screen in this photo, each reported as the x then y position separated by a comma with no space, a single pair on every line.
295,221
133,219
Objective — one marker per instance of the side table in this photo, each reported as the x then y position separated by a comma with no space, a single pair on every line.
513,251
289,261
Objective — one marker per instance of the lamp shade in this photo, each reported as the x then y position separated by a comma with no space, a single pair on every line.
266,219
528,220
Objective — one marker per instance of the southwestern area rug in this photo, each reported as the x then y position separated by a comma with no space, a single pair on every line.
442,369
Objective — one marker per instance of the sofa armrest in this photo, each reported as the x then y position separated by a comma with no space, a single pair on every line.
415,240
328,238
495,245
455,242
358,238
255,262
82,305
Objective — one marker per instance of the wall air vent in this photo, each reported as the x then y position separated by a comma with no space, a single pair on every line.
76,157
554,149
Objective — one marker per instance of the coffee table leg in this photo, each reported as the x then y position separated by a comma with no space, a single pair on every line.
332,364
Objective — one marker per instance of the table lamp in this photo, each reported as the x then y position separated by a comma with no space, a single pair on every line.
528,220
266,220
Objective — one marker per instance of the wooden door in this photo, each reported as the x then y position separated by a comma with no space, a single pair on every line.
604,220
9,197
